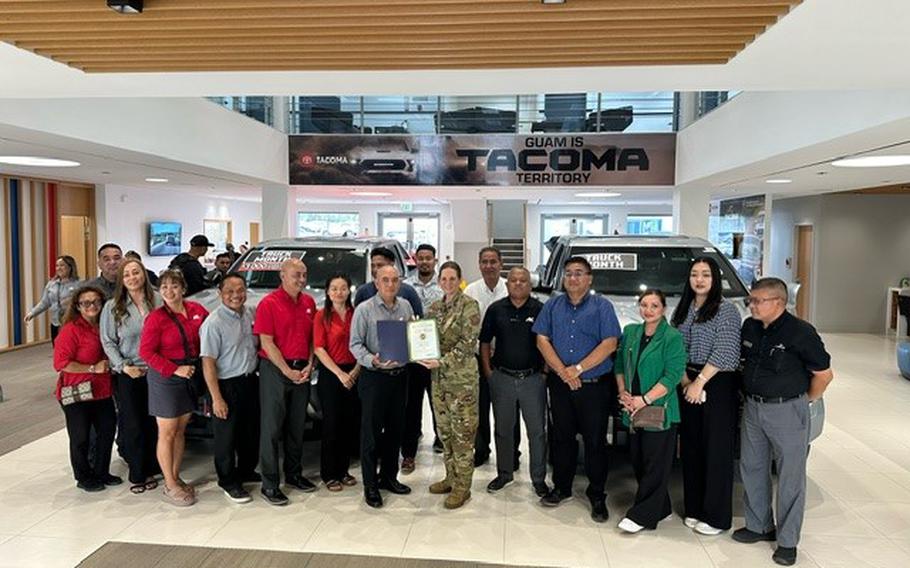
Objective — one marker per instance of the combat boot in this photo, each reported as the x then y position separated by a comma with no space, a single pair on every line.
441,487
456,499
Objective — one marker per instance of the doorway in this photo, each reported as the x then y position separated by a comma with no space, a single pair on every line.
569,224
411,229
76,241
254,233
804,237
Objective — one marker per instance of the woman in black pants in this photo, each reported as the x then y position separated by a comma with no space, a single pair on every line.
709,397
84,390
338,372
121,328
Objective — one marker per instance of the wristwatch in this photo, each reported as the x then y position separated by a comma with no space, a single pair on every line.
579,368
91,369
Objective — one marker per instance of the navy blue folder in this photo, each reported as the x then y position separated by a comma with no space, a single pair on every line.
393,340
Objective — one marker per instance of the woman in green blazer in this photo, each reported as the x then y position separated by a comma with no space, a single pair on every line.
650,362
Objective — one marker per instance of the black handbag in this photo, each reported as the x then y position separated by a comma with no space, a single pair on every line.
197,381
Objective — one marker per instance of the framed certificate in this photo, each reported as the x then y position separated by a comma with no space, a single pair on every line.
423,340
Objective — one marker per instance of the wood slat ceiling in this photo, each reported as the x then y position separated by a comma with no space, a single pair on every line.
897,189
301,35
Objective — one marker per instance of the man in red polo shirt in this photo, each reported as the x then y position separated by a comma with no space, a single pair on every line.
284,324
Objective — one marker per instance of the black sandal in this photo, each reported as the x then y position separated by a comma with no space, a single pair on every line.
150,484
139,488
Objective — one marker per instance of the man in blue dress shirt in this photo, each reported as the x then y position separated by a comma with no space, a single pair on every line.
576,334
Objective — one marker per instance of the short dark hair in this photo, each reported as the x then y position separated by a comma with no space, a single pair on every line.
489,249
772,283
107,246
224,255
452,265
383,252
132,254
654,292
426,246
578,260
230,275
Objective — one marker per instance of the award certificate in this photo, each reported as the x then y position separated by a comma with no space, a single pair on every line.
423,340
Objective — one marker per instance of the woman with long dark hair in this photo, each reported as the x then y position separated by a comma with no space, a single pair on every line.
338,372
121,328
709,397
84,390
57,292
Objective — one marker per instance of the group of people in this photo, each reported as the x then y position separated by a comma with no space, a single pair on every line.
564,367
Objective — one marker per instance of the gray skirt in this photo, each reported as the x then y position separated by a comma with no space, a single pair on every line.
170,397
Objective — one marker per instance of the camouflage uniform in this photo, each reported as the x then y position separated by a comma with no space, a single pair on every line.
455,387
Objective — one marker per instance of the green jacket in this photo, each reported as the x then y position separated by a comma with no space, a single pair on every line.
459,327
663,361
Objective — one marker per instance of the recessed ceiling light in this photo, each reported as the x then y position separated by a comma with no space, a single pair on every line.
156,180
873,161
371,193
38,162
779,180
552,1
598,194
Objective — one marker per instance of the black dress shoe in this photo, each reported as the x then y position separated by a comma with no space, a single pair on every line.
498,484
480,459
274,497
541,488
784,556
110,480
599,511
554,498
301,483
372,497
437,446
746,536
90,485
393,486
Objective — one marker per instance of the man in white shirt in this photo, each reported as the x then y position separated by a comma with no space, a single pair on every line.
488,289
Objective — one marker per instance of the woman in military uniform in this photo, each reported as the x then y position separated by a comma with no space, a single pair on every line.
455,387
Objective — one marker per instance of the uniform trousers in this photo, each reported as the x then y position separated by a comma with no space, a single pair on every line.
418,383
340,424
284,408
652,462
138,432
778,432
707,435
237,436
383,397
583,411
90,416
455,404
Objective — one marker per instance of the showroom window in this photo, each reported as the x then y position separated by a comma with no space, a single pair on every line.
649,224
569,224
411,229
327,224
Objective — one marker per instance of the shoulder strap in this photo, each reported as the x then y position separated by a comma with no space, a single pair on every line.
186,342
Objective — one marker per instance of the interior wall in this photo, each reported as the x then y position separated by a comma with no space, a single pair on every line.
617,220
128,210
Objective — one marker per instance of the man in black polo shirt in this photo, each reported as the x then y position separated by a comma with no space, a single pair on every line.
515,379
785,367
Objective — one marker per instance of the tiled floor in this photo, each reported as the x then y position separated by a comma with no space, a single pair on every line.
858,503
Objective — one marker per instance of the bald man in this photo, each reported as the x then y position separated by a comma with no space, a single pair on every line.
382,388
284,324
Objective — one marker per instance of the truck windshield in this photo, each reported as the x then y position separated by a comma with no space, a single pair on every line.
261,268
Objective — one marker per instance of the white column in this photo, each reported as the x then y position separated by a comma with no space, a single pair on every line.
688,109
280,113
766,237
691,209
279,211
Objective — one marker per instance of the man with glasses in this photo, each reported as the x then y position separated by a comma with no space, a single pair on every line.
785,367
576,334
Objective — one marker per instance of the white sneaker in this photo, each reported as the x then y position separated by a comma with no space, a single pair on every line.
691,522
707,530
629,526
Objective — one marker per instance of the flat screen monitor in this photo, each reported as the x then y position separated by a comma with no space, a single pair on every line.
164,238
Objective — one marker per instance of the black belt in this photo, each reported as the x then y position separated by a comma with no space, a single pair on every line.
771,399
297,364
518,374
391,372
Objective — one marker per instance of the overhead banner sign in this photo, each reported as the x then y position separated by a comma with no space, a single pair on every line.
493,160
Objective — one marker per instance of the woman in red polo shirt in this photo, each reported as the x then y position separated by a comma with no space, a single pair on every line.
338,371
84,390
170,346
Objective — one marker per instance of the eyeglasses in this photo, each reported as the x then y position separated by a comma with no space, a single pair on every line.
759,301
577,274
91,303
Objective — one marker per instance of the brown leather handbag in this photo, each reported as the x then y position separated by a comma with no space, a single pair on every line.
650,417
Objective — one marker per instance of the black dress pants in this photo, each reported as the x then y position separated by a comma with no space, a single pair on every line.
483,438
90,416
419,382
340,424
284,409
584,411
652,462
383,397
707,436
237,436
138,432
